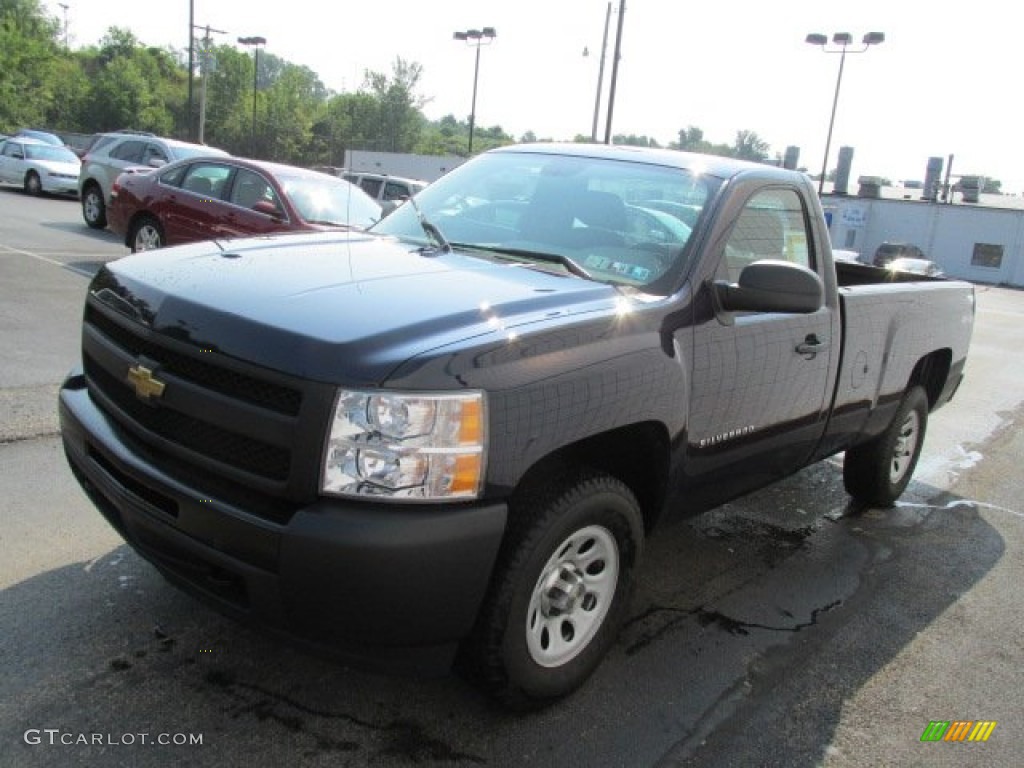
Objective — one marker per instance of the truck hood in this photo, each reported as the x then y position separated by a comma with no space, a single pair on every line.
344,308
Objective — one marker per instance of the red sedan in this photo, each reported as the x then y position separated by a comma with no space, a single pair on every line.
219,197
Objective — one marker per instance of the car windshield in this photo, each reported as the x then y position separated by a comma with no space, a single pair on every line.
619,222
330,200
49,152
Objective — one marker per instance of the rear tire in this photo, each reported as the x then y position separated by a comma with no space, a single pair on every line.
33,186
94,208
878,472
560,590
147,234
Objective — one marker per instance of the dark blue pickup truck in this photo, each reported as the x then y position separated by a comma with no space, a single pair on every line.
453,433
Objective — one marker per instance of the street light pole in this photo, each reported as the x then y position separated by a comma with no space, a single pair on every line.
843,40
255,42
476,38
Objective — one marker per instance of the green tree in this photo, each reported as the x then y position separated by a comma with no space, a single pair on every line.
29,63
750,146
284,133
632,140
401,120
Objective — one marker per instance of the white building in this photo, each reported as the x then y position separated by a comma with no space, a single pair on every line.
981,242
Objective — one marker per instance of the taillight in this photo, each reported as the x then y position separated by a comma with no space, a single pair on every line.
115,187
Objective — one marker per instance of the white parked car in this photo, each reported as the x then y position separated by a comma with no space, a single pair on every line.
917,266
39,167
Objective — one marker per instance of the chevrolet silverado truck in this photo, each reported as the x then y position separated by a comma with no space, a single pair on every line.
447,438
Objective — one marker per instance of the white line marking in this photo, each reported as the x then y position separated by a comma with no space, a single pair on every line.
55,262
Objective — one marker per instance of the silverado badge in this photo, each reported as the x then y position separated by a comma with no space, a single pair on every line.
146,385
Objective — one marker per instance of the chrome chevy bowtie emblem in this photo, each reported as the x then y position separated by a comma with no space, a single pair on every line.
145,383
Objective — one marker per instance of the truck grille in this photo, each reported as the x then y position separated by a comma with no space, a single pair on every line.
221,424
275,397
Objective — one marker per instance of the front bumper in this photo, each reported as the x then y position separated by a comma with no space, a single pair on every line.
55,185
384,585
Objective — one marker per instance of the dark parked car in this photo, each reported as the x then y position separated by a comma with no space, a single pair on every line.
886,252
217,197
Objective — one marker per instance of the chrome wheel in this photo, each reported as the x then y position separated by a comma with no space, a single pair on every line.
33,185
905,448
572,596
94,210
147,236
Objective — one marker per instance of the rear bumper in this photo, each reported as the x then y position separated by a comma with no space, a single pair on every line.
383,585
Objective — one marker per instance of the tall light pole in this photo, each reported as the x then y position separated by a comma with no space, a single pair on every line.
476,38
255,41
600,71
843,40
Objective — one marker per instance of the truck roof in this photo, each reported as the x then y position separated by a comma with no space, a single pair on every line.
714,165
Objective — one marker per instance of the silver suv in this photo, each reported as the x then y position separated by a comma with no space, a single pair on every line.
126,153
388,191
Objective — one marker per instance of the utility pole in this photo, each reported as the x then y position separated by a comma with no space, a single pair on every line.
65,7
191,64
206,62
615,73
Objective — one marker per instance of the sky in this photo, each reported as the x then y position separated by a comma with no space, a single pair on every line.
940,84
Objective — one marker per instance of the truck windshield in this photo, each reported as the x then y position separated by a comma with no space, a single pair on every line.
619,222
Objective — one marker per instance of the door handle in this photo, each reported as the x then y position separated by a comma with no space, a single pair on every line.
811,346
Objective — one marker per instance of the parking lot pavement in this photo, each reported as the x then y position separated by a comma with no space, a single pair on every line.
785,628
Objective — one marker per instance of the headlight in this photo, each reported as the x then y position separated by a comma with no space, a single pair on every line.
415,447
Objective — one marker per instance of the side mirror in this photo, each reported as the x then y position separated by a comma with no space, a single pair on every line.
156,162
772,286
267,208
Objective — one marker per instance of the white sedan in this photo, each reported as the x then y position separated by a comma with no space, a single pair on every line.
917,266
39,167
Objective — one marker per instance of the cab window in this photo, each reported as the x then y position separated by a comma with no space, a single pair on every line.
772,225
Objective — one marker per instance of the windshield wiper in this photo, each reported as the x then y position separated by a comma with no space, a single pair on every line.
339,224
554,258
432,231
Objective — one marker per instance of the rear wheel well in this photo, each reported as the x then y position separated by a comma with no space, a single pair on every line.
637,455
931,373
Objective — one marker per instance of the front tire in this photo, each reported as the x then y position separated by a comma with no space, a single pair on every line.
878,472
33,185
94,208
147,234
560,591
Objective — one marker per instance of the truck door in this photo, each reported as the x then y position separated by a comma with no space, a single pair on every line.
760,380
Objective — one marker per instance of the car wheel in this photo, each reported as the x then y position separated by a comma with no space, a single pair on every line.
560,591
877,472
33,185
147,234
94,209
